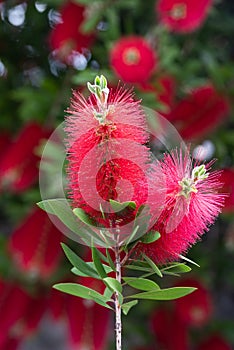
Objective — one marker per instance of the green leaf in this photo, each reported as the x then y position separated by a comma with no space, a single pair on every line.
110,261
98,264
138,268
141,283
108,292
131,237
83,292
85,218
127,306
150,237
117,206
61,208
164,294
153,265
113,284
78,263
77,272
176,269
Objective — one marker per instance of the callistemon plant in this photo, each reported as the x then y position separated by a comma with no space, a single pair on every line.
133,211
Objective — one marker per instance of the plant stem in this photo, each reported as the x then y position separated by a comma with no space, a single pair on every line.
118,322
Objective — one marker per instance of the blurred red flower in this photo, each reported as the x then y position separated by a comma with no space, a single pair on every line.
67,35
168,330
35,245
199,112
191,205
19,164
194,309
183,16
164,89
132,59
227,178
214,342
13,304
88,321
4,143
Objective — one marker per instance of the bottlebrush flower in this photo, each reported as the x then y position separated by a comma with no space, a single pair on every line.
164,89
67,36
35,245
199,112
107,158
191,205
163,322
183,16
132,59
19,164
227,178
13,303
214,342
88,321
194,310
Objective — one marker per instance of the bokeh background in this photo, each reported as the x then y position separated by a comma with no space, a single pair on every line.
179,57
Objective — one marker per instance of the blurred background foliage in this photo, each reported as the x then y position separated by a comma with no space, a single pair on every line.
184,71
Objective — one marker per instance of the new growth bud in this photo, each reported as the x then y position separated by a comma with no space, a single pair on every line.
101,92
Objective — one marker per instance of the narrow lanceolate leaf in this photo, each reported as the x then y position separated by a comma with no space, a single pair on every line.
85,218
141,283
83,292
78,272
113,284
98,264
110,261
108,292
78,263
164,294
60,207
138,268
153,265
150,237
118,206
127,306
132,237
176,269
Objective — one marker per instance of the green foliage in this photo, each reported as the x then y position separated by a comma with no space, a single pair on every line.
164,294
141,283
83,292
126,307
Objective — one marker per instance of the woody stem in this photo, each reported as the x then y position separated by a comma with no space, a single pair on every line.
118,322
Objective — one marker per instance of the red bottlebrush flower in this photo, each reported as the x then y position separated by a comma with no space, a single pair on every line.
12,343
19,165
183,16
34,313
88,321
170,333
67,35
194,310
35,245
13,304
200,112
107,158
4,143
132,59
164,89
56,304
227,178
192,204
214,342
